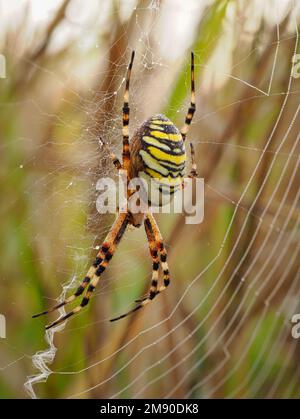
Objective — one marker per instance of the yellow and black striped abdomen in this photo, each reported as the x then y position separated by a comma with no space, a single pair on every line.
162,152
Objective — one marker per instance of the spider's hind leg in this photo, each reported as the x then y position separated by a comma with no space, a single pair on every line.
155,263
156,248
104,256
99,258
163,253
91,288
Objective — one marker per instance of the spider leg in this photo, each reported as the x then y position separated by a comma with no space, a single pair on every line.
100,263
95,279
99,258
156,246
192,108
193,173
125,110
155,267
162,252
90,290
155,263
116,162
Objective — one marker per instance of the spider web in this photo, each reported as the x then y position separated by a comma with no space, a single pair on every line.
190,336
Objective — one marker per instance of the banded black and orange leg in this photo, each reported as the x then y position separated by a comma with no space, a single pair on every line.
125,130
155,259
99,265
155,263
126,110
118,233
193,172
155,267
162,252
99,258
192,107
157,248
116,161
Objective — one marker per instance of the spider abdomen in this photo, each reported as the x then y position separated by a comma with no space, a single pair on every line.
158,155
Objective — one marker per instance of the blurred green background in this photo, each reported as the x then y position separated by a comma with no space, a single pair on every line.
223,328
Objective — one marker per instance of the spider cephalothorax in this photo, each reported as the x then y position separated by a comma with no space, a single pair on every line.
156,153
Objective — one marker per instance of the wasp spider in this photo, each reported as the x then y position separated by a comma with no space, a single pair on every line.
156,151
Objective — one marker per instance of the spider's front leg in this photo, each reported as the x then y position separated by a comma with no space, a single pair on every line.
192,107
125,121
125,118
